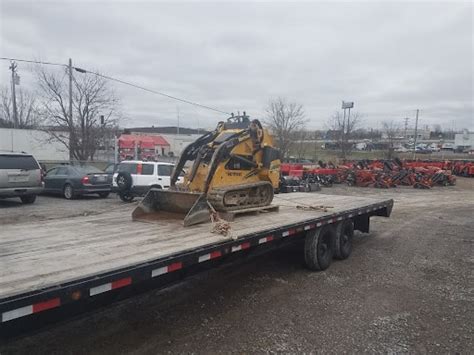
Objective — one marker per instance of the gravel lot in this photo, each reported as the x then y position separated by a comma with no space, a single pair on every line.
48,207
408,287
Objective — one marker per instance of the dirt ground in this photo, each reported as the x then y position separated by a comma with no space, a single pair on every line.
407,288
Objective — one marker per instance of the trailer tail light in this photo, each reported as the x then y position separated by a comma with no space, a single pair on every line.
139,169
85,180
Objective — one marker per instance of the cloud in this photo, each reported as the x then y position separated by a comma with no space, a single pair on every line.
389,58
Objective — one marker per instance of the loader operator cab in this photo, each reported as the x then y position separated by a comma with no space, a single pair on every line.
237,122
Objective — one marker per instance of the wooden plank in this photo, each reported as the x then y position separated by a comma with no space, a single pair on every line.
230,216
39,254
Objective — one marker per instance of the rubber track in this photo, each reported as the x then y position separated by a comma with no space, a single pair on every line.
216,196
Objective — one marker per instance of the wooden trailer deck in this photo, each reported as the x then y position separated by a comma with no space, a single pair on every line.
40,255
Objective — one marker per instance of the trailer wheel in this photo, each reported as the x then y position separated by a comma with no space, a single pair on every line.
318,248
343,242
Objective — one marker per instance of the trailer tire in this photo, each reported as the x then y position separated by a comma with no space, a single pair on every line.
343,242
318,248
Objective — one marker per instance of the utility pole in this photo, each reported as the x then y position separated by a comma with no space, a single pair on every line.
116,149
15,78
416,133
70,106
70,89
177,112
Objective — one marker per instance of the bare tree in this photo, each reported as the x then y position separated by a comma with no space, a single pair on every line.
94,111
391,132
344,129
27,109
299,141
284,118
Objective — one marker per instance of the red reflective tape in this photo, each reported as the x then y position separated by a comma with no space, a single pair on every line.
121,283
245,245
43,306
215,254
175,266
269,238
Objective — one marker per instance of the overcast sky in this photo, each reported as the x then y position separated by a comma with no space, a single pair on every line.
389,58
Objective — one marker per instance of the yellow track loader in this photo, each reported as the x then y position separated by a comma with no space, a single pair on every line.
235,167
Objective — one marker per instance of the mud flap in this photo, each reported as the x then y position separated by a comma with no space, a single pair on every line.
160,205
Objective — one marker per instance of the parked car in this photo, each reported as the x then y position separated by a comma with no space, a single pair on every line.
402,149
20,176
447,146
72,181
422,150
134,178
434,147
111,169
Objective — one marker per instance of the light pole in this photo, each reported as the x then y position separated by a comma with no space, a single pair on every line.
346,105
15,81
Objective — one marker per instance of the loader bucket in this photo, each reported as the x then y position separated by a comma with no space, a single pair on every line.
160,205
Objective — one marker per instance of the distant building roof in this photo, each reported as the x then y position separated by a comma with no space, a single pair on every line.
164,130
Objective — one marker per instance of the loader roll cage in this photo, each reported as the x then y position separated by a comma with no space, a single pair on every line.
199,150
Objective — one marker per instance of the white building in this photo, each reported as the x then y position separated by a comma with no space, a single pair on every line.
421,133
464,141
38,143
179,141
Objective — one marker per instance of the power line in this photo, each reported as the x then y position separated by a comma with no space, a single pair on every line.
33,61
154,92
84,71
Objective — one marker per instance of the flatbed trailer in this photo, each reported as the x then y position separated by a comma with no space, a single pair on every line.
64,263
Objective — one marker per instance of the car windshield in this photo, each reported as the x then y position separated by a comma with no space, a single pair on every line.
23,162
88,169
110,169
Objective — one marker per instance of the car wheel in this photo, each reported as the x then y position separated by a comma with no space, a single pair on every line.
68,192
28,199
104,194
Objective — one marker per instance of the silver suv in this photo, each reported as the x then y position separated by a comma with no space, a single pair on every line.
20,176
